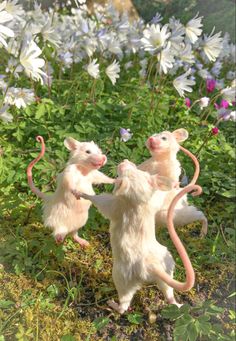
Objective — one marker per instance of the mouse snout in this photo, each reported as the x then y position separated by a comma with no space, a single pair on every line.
98,161
153,142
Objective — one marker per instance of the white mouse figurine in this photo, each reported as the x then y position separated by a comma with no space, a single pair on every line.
61,211
164,148
138,258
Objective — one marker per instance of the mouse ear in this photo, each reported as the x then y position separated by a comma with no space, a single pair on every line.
161,182
180,134
121,186
71,144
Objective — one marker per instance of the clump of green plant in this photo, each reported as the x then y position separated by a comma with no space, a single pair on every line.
201,322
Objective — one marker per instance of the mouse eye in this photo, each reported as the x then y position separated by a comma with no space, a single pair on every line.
88,151
164,138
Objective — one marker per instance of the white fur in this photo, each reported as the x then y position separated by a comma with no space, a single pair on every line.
164,148
62,211
137,255
164,162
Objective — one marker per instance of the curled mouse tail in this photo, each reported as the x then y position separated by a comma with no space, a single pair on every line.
190,276
31,165
196,163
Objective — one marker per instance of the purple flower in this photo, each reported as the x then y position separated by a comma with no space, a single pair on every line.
210,84
125,134
187,102
224,114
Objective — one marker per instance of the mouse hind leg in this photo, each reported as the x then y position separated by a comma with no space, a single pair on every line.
125,289
188,215
60,233
168,292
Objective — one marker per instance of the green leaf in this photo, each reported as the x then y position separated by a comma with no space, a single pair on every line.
232,295
180,333
135,318
192,332
101,322
202,325
4,304
228,194
40,111
171,312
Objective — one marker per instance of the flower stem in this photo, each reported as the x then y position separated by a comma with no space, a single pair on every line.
205,141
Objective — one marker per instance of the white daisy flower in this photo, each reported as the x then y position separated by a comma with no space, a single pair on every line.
93,69
182,83
112,71
203,102
19,97
186,54
30,61
14,9
193,30
231,74
177,34
204,73
4,115
114,46
232,116
5,32
155,37
49,34
90,44
67,58
229,93
212,45
165,59
14,67
3,84
156,19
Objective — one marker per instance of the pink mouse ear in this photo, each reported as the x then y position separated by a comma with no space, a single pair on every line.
71,144
180,134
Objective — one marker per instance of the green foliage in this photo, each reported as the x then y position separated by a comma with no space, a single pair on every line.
193,323
135,318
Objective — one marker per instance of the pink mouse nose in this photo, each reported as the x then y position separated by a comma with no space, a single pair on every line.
104,158
151,139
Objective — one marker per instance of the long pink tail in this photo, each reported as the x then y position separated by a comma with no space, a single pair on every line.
190,275
31,165
196,163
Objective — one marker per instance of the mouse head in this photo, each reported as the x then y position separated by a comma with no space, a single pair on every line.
138,186
166,141
86,154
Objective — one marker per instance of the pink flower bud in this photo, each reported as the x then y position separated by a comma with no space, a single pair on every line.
215,131
210,84
187,102
224,104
